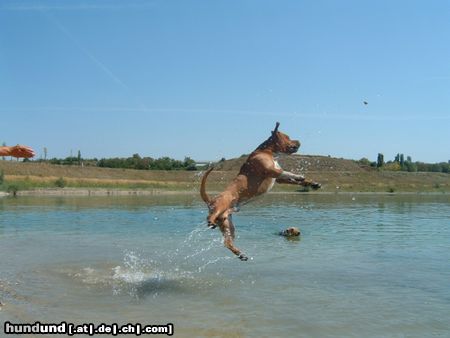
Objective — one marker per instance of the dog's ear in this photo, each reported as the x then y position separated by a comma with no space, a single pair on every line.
276,128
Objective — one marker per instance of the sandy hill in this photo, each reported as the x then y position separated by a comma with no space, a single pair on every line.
302,164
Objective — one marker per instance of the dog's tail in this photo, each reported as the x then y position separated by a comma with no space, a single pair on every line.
203,193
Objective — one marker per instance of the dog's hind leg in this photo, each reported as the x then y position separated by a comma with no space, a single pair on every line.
216,216
228,230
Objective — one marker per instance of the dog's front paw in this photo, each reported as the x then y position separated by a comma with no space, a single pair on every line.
243,257
212,225
316,185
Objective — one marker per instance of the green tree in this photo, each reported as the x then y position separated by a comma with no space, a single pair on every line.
445,167
364,161
189,164
380,160
411,167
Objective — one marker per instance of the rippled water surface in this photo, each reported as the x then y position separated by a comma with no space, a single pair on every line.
366,265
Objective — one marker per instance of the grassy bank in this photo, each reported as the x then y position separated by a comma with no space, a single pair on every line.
336,176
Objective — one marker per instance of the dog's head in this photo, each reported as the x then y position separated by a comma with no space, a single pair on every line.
280,142
291,232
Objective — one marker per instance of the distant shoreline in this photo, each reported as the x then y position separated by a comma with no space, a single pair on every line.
336,176
142,192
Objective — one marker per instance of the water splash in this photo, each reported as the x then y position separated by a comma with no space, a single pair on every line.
166,271
199,229
139,276
213,261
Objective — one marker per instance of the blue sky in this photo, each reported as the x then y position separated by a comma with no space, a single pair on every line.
209,79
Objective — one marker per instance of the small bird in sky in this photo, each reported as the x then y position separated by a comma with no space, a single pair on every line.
365,102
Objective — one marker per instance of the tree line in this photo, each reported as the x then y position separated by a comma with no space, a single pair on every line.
400,163
147,163
133,162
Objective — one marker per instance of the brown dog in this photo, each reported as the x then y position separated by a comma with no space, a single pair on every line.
256,176
290,232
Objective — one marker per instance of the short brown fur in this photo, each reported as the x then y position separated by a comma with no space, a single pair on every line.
255,177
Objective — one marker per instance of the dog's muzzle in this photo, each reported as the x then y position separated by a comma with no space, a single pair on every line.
293,149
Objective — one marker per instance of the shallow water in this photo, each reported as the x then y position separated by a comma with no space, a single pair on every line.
366,265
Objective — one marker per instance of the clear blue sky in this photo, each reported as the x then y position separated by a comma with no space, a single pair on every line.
209,79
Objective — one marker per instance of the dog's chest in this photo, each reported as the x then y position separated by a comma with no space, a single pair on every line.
277,165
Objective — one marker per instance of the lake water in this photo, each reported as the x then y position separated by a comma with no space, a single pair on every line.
365,265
